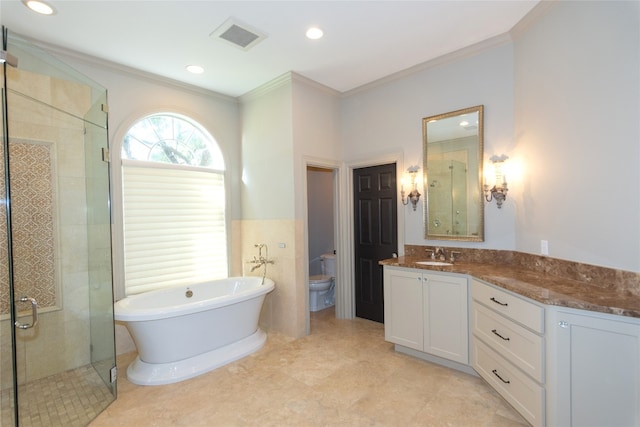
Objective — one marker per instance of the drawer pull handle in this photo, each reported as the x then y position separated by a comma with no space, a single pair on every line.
504,304
495,331
495,372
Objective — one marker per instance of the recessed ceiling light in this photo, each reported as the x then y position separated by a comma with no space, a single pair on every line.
39,7
314,33
195,69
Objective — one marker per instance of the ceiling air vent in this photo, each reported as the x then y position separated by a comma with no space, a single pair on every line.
238,34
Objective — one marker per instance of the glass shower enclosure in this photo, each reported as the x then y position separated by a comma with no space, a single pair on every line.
57,345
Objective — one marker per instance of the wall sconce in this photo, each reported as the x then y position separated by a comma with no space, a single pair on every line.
414,195
499,189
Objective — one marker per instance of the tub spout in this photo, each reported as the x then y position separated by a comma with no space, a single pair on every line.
261,260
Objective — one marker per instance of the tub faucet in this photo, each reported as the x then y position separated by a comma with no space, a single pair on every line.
260,260
257,265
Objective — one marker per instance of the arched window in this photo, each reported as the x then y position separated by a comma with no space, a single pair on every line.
173,204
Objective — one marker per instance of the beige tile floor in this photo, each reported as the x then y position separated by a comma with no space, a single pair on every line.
343,374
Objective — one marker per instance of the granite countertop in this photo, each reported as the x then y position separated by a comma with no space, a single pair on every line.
539,286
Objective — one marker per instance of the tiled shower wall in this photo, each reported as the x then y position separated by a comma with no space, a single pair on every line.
57,229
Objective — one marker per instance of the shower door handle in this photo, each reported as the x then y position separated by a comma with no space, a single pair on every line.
34,313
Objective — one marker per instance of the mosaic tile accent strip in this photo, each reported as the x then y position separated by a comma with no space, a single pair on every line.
4,271
33,225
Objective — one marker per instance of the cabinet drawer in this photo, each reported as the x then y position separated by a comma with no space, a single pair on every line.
523,393
518,345
509,305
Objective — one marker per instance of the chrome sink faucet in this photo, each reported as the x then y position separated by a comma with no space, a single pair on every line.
440,252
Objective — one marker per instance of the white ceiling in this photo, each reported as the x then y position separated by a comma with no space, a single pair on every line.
364,40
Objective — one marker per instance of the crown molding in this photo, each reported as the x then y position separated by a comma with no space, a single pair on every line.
534,15
312,83
90,60
271,85
457,55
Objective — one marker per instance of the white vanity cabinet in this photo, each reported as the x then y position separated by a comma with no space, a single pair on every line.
428,312
594,369
556,366
508,347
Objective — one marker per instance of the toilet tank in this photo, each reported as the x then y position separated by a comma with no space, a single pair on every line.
329,264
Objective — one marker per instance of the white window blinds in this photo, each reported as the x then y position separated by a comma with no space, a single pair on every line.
174,225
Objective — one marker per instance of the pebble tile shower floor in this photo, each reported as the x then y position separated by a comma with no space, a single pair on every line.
342,374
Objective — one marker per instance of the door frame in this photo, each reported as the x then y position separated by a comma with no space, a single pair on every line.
348,293
338,233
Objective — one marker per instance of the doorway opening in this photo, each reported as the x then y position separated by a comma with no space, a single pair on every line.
321,239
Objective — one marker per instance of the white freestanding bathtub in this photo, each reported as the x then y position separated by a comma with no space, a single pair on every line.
185,331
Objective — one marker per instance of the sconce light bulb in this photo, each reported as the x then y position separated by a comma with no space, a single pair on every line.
499,189
414,195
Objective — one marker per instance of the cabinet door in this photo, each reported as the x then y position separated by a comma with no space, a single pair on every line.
446,314
597,369
403,308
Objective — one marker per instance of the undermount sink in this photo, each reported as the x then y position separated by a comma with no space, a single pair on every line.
433,263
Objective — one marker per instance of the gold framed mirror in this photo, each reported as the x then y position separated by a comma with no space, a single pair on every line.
453,153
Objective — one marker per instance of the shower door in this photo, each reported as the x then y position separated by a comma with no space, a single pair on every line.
56,297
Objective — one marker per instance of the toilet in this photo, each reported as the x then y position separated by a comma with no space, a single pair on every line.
322,286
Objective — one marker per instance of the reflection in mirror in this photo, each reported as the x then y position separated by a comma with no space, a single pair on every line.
453,152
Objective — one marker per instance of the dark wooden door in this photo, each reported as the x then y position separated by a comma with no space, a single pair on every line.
376,235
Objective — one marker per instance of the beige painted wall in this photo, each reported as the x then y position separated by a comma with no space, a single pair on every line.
267,194
577,133
133,95
562,101
387,117
285,125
